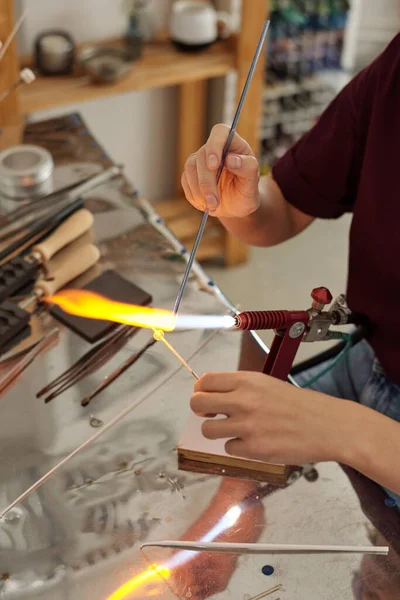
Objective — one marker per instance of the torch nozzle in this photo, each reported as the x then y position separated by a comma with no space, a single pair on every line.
261,319
269,319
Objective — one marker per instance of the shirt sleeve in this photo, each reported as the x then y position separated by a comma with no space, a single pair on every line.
319,175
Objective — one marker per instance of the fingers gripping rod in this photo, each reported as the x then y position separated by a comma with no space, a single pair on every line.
222,163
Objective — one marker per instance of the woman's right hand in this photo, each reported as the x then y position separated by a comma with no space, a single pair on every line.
237,194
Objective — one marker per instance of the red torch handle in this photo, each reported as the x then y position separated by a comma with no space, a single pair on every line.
256,320
285,345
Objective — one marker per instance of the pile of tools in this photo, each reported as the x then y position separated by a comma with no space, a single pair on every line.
43,246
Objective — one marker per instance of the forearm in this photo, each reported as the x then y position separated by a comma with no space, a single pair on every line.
372,446
274,222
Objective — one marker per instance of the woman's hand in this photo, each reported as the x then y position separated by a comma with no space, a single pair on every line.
237,194
273,421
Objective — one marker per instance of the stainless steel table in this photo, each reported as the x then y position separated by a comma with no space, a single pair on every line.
79,535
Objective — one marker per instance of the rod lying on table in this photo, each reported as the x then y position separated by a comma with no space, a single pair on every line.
237,548
87,364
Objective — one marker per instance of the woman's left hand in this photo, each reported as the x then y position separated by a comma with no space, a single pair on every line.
273,421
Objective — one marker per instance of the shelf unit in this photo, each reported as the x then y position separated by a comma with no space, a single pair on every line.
160,66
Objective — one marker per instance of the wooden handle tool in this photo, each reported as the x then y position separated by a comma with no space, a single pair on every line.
68,253
68,267
70,230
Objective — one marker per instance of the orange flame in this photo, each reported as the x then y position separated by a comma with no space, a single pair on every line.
93,306
131,586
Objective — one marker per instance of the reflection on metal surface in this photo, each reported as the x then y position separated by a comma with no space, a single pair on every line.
83,303
226,522
134,584
94,437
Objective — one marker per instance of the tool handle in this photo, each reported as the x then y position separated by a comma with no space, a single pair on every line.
68,253
74,263
68,231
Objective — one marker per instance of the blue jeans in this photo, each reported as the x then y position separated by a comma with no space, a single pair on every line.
358,376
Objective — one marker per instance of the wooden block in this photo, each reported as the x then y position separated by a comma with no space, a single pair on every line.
188,464
210,456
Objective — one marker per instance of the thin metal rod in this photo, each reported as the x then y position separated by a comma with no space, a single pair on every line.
101,432
237,548
108,379
202,278
86,358
191,261
268,592
100,360
222,163
89,363
13,33
159,337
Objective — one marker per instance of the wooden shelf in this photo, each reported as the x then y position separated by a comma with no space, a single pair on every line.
160,66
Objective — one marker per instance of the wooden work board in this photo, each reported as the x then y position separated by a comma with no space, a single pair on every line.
200,455
196,453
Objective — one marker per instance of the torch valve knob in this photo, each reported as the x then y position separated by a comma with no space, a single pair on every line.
321,297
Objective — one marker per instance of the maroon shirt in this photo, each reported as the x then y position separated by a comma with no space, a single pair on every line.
350,162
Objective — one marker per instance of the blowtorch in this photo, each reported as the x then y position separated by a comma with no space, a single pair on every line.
293,327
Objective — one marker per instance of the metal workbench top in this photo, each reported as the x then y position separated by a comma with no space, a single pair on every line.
79,535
